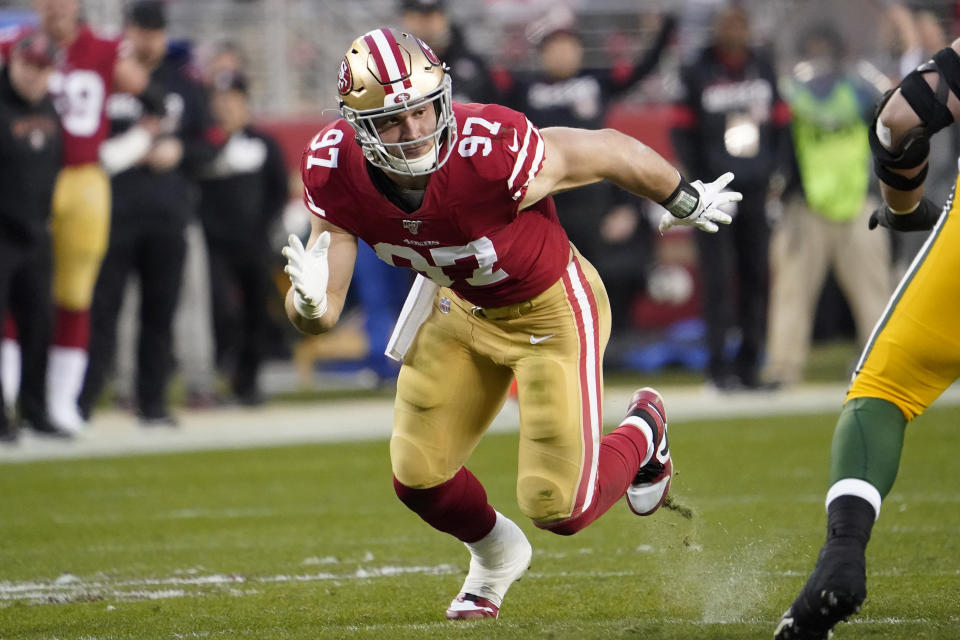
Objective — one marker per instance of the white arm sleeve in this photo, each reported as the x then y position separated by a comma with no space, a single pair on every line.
121,152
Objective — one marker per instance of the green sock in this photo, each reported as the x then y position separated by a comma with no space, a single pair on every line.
867,443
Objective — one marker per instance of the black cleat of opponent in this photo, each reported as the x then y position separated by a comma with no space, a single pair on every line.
835,590
838,585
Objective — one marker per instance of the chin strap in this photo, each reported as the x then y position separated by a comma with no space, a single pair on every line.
422,164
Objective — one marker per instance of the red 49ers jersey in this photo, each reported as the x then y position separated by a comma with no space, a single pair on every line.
469,233
80,87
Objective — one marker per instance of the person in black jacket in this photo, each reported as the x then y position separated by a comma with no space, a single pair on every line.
731,118
601,220
154,199
30,157
243,191
429,21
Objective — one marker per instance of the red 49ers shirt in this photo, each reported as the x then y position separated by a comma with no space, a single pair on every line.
468,234
80,87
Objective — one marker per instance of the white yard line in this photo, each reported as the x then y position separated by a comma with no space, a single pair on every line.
114,433
69,588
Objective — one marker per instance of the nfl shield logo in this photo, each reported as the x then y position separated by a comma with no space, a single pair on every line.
413,226
444,305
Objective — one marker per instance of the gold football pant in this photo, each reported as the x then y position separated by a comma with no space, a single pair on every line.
456,376
914,352
80,225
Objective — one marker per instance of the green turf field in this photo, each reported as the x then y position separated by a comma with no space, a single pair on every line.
310,542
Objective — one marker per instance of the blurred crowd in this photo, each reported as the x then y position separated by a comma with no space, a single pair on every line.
170,273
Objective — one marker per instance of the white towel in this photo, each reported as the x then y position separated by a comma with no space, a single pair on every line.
415,311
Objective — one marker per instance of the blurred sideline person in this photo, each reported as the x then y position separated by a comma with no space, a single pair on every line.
460,193
90,68
194,340
600,220
913,354
193,333
429,21
154,199
731,116
827,205
242,193
227,56
30,157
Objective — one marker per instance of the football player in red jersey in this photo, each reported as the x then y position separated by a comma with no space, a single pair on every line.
91,68
461,194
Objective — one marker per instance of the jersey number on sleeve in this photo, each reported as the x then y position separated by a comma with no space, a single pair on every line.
470,144
330,139
481,249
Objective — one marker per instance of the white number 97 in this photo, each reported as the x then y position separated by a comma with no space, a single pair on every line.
469,144
329,139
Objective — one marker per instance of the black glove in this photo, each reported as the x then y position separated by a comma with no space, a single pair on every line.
920,219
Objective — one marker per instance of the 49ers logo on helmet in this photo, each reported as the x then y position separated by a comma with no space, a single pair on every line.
427,51
344,79
401,97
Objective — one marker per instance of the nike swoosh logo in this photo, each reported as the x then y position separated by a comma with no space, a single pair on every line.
516,143
535,340
664,447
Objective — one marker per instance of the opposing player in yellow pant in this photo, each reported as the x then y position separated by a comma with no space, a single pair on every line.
911,358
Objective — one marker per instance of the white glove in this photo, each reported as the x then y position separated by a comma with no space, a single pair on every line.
707,215
309,272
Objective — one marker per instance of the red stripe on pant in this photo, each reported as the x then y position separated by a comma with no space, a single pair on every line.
584,395
587,320
596,428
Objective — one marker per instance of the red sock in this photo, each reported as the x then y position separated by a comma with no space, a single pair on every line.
9,328
71,328
620,456
458,506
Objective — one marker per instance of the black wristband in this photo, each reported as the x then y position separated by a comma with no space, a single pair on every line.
683,201
923,218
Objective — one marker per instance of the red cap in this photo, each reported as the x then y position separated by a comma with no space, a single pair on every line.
37,48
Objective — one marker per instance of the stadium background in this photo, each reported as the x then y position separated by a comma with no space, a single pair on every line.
99,540
294,46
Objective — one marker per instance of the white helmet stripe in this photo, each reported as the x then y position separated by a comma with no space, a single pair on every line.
390,63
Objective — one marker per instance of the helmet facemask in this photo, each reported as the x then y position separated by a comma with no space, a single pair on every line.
393,156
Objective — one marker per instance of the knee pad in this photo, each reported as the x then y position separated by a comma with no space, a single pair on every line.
411,464
542,499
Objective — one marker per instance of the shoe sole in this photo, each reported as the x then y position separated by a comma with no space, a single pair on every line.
663,497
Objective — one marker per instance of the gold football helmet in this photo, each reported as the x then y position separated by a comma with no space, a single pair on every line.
387,71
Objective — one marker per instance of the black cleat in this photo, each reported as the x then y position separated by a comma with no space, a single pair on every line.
835,590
